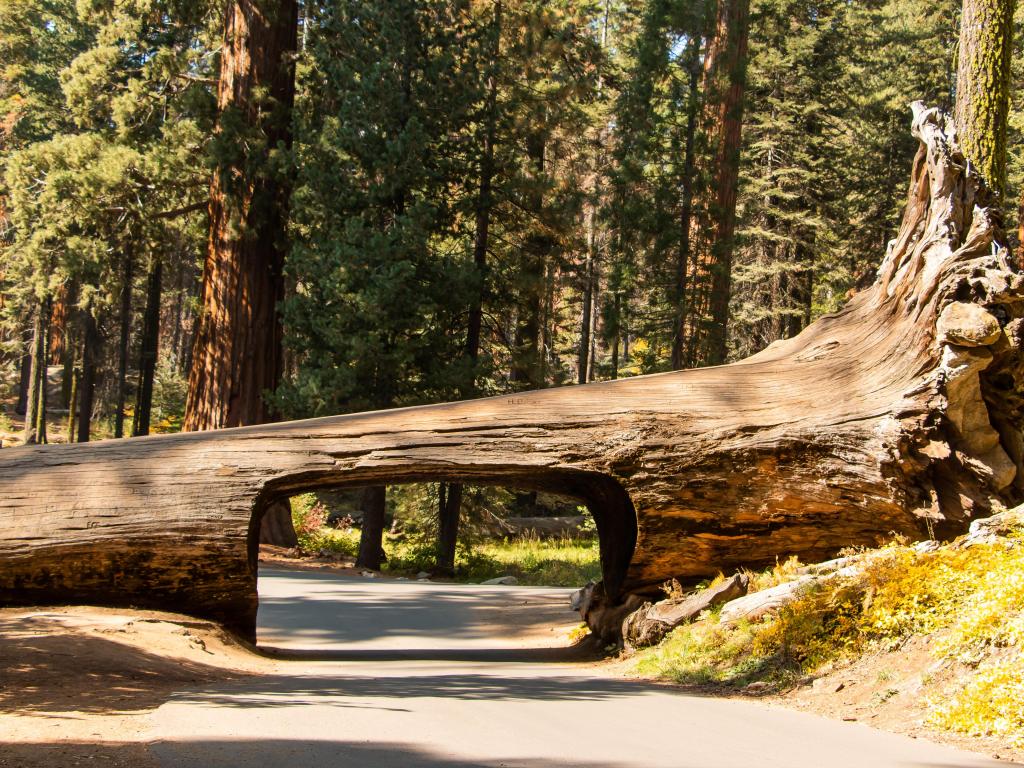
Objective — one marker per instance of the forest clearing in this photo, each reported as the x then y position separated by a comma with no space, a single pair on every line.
434,362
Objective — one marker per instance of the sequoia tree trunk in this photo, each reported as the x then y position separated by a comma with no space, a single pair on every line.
725,66
899,414
983,86
237,354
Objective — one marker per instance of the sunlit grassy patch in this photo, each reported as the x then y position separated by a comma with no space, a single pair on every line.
551,562
971,601
554,562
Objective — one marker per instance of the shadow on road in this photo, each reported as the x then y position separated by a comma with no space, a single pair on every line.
326,612
587,651
288,690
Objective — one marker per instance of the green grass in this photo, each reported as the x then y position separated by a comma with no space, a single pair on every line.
564,562
534,562
554,563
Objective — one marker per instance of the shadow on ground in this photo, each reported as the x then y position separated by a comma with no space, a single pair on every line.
327,608
285,690
46,669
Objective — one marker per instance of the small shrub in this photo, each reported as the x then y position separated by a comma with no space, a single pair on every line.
309,517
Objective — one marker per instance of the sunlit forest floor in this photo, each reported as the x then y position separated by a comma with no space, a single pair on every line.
557,562
917,641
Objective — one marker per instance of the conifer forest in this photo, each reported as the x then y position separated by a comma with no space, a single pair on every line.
215,214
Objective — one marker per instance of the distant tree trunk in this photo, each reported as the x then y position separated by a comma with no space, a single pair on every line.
58,324
485,204
481,234
617,310
374,505
178,312
25,382
69,347
150,342
725,64
1020,229
36,374
237,352
44,380
73,403
276,527
983,86
526,358
583,353
125,324
87,386
449,507
684,255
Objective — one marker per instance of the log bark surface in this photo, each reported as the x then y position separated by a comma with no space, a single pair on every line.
869,422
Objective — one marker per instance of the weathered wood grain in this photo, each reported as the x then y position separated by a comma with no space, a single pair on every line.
867,423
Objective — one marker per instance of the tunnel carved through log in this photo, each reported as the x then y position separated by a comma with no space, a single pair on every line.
899,413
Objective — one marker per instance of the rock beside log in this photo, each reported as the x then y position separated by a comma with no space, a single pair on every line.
501,581
988,530
652,621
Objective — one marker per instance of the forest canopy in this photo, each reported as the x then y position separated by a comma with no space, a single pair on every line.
473,196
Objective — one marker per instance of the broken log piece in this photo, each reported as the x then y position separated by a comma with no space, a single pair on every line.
759,604
867,423
650,623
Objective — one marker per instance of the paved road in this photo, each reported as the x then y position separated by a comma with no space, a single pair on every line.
459,697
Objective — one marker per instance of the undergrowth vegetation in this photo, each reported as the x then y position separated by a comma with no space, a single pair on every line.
969,602
559,562
565,562
315,536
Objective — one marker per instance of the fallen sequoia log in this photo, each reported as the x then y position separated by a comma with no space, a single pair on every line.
899,414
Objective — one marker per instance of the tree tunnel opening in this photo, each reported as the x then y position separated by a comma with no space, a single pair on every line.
588,495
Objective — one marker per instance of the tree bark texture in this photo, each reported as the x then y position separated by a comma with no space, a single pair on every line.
449,508
276,527
124,326
87,385
44,378
900,413
25,381
36,376
237,353
983,86
374,505
150,344
725,66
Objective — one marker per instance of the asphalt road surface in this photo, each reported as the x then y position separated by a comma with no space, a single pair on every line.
392,674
